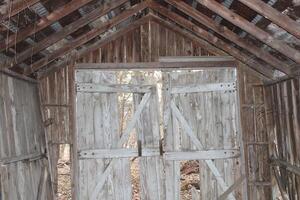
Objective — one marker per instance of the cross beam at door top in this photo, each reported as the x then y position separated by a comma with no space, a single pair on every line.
167,63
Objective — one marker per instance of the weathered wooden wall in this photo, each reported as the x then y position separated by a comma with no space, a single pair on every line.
283,103
135,46
23,165
54,93
214,120
145,44
132,47
254,127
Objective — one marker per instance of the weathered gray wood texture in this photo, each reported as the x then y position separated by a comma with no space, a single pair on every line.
98,130
255,137
148,133
146,44
212,117
56,105
283,133
24,170
143,44
97,125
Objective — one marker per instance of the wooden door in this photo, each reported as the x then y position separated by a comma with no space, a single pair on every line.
201,122
103,156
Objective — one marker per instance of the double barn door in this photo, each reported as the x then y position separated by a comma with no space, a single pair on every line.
193,117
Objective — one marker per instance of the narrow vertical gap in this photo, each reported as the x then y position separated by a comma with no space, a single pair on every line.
64,173
135,178
0,186
189,179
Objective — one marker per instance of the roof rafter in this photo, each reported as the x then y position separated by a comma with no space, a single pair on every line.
275,16
204,44
228,34
14,7
42,23
94,46
133,25
86,37
67,30
268,72
247,26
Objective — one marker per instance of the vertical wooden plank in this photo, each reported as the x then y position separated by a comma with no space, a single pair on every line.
23,126
172,168
148,130
163,41
95,115
145,50
137,45
216,125
241,136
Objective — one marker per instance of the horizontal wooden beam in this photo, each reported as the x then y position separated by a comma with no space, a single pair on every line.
159,65
56,105
275,16
14,7
86,37
251,28
230,35
18,76
209,87
67,30
229,60
212,39
42,23
202,155
267,83
113,88
29,157
288,166
98,44
116,153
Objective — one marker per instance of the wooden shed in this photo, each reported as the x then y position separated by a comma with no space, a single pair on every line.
149,99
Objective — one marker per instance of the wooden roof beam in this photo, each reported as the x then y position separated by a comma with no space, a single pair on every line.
230,35
274,15
67,30
249,27
14,7
98,44
244,58
86,37
42,23
209,46
131,27
202,43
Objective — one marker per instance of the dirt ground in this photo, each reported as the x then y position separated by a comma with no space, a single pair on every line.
64,180
189,178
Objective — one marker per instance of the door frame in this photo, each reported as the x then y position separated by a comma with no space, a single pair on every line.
167,64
